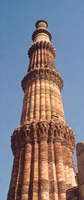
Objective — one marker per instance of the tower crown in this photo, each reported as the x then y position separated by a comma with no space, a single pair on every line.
41,33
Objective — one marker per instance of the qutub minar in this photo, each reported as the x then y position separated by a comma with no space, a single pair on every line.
43,144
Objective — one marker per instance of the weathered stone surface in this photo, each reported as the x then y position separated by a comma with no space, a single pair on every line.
42,144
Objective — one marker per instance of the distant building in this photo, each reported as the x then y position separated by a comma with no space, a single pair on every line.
43,144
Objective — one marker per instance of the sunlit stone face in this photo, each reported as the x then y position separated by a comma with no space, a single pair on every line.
41,37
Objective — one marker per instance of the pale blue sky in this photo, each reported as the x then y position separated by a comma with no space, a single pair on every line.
17,22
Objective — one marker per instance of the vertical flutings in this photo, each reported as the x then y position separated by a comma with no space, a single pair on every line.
42,99
35,60
60,170
19,176
43,171
26,172
47,100
13,182
32,60
35,172
52,100
38,56
53,190
28,102
37,99
32,101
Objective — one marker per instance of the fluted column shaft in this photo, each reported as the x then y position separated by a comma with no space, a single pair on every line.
52,99
43,171
37,99
28,102
19,176
53,190
32,61
60,170
35,172
47,100
38,58
42,99
35,61
11,193
26,172
32,101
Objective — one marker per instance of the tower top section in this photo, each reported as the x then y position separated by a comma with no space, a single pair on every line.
41,33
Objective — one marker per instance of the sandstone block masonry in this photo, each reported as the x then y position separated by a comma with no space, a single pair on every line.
43,144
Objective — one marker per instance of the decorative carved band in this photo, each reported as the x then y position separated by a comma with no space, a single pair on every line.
42,73
42,130
40,45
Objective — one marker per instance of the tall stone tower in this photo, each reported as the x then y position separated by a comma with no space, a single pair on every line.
43,144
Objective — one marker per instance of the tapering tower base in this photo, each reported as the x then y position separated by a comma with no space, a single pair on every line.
43,161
